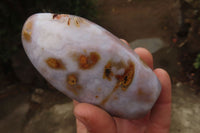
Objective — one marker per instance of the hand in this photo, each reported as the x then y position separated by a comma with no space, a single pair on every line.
92,119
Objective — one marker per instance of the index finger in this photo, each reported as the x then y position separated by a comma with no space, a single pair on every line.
161,112
144,54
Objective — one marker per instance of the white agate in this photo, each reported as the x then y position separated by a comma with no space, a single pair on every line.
89,64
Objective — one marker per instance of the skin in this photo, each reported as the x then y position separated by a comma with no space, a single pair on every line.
92,119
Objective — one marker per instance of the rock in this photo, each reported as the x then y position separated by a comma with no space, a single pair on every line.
57,119
78,68
152,44
179,84
39,91
36,98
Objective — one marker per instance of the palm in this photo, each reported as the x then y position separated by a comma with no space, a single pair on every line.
96,120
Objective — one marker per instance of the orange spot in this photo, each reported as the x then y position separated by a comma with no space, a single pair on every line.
107,71
55,15
94,57
72,80
96,96
126,79
29,25
72,83
27,31
27,36
123,81
76,22
83,61
59,16
87,62
120,65
68,22
55,63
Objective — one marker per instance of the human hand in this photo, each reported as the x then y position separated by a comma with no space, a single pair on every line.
93,119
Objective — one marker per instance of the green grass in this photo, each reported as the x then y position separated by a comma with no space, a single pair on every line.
196,64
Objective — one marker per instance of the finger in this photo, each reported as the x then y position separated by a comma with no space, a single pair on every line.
161,112
146,56
124,41
80,127
165,95
95,119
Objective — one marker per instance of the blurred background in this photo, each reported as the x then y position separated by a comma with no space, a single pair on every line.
170,29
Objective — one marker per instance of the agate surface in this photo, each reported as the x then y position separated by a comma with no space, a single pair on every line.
89,64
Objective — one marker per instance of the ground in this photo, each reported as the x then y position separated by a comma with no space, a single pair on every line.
32,105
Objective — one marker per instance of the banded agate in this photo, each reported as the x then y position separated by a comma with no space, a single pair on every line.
89,64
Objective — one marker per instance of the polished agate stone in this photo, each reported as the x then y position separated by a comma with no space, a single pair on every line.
89,64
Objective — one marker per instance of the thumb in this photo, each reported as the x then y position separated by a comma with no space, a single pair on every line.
95,119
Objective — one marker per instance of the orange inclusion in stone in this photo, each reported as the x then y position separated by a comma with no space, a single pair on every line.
27,31
55,63
87,62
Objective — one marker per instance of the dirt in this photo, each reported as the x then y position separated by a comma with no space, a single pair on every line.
185,109
188,39
135,19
